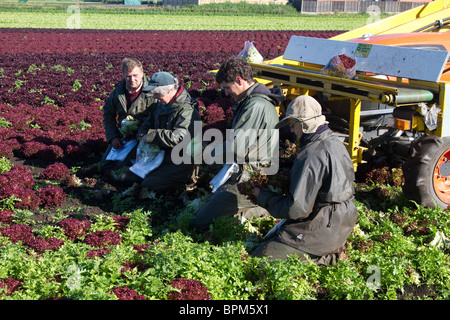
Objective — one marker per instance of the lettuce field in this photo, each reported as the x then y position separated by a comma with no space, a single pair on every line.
65,234
221,16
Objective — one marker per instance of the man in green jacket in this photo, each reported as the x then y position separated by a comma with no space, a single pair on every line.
254,112
166,126
318,213
126,102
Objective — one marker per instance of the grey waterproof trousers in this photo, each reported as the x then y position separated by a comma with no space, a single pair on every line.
275,249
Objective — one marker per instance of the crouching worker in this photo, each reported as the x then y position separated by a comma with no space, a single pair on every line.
253,111
125,110
167,125
318,213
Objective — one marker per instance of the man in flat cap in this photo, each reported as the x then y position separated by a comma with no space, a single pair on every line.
318,213
166,126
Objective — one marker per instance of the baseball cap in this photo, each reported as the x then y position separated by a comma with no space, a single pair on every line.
307,111
159,79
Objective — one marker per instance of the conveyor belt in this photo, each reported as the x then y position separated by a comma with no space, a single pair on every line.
407,95
386,92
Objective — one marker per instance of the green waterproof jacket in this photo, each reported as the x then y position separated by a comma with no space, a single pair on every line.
168,126
115,109
253,127
319,209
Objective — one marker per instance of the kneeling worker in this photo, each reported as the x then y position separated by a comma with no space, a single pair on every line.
167,125
318,212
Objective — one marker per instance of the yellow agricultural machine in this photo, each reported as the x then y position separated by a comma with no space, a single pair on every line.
396,102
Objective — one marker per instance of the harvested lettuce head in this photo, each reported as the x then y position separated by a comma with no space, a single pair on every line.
129,126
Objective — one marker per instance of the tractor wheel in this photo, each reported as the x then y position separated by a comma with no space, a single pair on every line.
427,172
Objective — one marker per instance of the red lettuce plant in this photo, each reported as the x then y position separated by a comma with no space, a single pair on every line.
24,233
26,197
130,266
77,152
6,150
97,253
40,244
10,284
125,293
257,180
103,238
56,171
121,222
5,133
141,248
18,182
278,182
52,152
18,232
73,228
13,143
6,216
51,196
189,290
17,176
7,147
31,149
385,175
213,113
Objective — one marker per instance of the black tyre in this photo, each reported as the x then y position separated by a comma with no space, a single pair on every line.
427,172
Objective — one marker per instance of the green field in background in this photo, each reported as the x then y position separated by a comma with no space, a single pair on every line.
177,22
38,14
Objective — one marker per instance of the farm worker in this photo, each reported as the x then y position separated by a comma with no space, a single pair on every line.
318,213
126,102
254,111
166,126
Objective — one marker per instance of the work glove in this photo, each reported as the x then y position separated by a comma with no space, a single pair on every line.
151,135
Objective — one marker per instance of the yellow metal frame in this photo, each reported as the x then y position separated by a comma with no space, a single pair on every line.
363,87
354,138
300,79
311,79
413,20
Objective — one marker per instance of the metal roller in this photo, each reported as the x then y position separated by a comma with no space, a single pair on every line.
407,95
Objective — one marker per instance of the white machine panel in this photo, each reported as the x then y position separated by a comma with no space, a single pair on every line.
402,62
